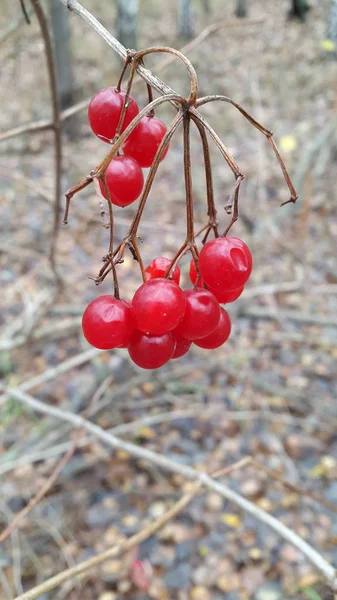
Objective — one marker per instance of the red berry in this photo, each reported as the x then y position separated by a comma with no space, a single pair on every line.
219,335
128,304
158,267
124,179
226,296
182,345
158,306
201,315
194,275
105,110
107,323
151,351
143,142
225,262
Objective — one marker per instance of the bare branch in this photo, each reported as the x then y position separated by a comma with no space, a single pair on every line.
56,127
325,568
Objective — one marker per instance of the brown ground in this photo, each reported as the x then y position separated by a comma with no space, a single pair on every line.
280,361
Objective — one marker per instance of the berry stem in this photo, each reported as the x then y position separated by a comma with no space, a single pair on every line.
134,65
188,180
266,132
100,170
153,170
192,99
211,210
71,192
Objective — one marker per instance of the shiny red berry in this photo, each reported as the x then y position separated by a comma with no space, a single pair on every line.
182,345
143,142
219,335
105,110
158,306
201,315
107,323
124,179
194,275
226,296
151,351
157,268
225,262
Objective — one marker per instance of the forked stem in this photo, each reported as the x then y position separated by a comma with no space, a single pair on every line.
211,210
192,99
266,132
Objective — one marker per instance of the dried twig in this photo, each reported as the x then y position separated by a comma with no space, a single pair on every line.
325,568
54,372
127,545
56,128
42,492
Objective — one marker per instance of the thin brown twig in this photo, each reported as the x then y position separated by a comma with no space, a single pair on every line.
56,128
40,494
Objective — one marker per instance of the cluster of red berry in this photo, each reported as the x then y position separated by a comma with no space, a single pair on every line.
124,175
163,320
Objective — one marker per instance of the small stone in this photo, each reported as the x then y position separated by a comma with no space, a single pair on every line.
179,578
269,591
108,596
228,583
200,593
252,488
299,446
157,509
214,502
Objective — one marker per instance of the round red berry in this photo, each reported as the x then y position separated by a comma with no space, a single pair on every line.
105,110
225,262
201,315
226,296
182,345
107,323
219,335
143,142
194,275
157,268
158,306
125,180
151,351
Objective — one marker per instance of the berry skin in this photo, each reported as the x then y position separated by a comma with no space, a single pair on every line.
226,296
194,275
128,304
107,323
143,142
182,346
151,351
157,268
225,262
105,110
124,179
158,306
201,315
219,335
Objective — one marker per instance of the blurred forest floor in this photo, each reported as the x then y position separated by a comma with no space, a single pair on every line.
270,392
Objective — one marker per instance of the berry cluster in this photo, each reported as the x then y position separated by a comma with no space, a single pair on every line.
163,320
109,113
